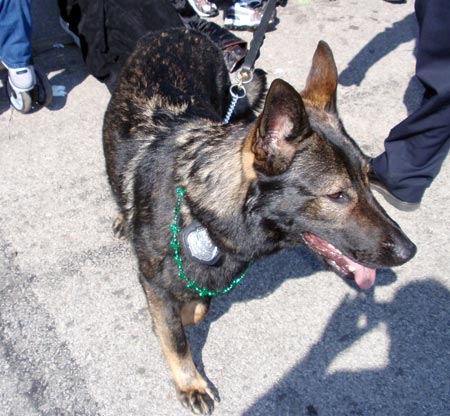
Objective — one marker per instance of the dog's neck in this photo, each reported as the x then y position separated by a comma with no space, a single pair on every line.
218,187
218,190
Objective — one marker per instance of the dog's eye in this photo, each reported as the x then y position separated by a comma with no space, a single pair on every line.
338,196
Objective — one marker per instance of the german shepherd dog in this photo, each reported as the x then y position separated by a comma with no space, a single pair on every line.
256,185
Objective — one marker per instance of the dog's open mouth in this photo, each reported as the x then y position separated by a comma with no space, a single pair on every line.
364,276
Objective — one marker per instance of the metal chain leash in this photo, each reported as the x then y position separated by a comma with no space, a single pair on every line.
245,75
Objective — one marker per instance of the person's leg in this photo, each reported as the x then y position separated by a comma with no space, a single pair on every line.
15,32
417,147
15,42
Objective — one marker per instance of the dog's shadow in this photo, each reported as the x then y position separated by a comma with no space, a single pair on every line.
264,277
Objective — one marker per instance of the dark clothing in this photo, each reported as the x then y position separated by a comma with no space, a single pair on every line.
109,30
417,147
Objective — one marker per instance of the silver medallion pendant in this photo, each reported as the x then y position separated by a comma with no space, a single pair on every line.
198,246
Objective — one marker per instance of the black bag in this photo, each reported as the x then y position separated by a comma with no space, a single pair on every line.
109,29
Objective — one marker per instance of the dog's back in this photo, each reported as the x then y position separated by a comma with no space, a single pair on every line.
173,82
180,67
156,89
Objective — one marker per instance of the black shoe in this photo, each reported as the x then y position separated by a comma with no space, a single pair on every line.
396,1
380,187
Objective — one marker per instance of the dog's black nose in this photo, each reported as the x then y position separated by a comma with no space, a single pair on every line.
404,250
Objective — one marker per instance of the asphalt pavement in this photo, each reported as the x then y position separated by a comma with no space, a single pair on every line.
293,339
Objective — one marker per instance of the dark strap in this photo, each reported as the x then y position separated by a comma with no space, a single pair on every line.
257,41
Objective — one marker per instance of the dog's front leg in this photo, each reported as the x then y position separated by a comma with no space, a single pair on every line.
192,390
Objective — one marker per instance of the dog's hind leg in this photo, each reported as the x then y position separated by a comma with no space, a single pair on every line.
192,389
193,312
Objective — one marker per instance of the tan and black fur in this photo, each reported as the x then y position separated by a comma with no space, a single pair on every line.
259,184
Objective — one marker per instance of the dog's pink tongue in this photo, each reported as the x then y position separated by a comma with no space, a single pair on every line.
364,276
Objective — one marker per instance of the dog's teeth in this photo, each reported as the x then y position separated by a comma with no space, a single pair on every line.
352,268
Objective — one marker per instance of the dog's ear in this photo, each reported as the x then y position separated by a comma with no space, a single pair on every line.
281,126
320,89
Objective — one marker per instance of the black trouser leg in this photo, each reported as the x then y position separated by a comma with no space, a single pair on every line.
417,147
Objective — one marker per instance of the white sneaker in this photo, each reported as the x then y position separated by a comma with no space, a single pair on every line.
22,79
204,8
254,4
246,15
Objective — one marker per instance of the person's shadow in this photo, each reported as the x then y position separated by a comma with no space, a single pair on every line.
381,45
414,382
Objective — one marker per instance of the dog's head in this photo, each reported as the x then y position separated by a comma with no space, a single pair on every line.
312,183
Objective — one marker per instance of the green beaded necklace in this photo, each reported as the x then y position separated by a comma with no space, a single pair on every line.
175,244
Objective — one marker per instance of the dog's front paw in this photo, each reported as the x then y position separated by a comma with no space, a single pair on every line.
199,401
